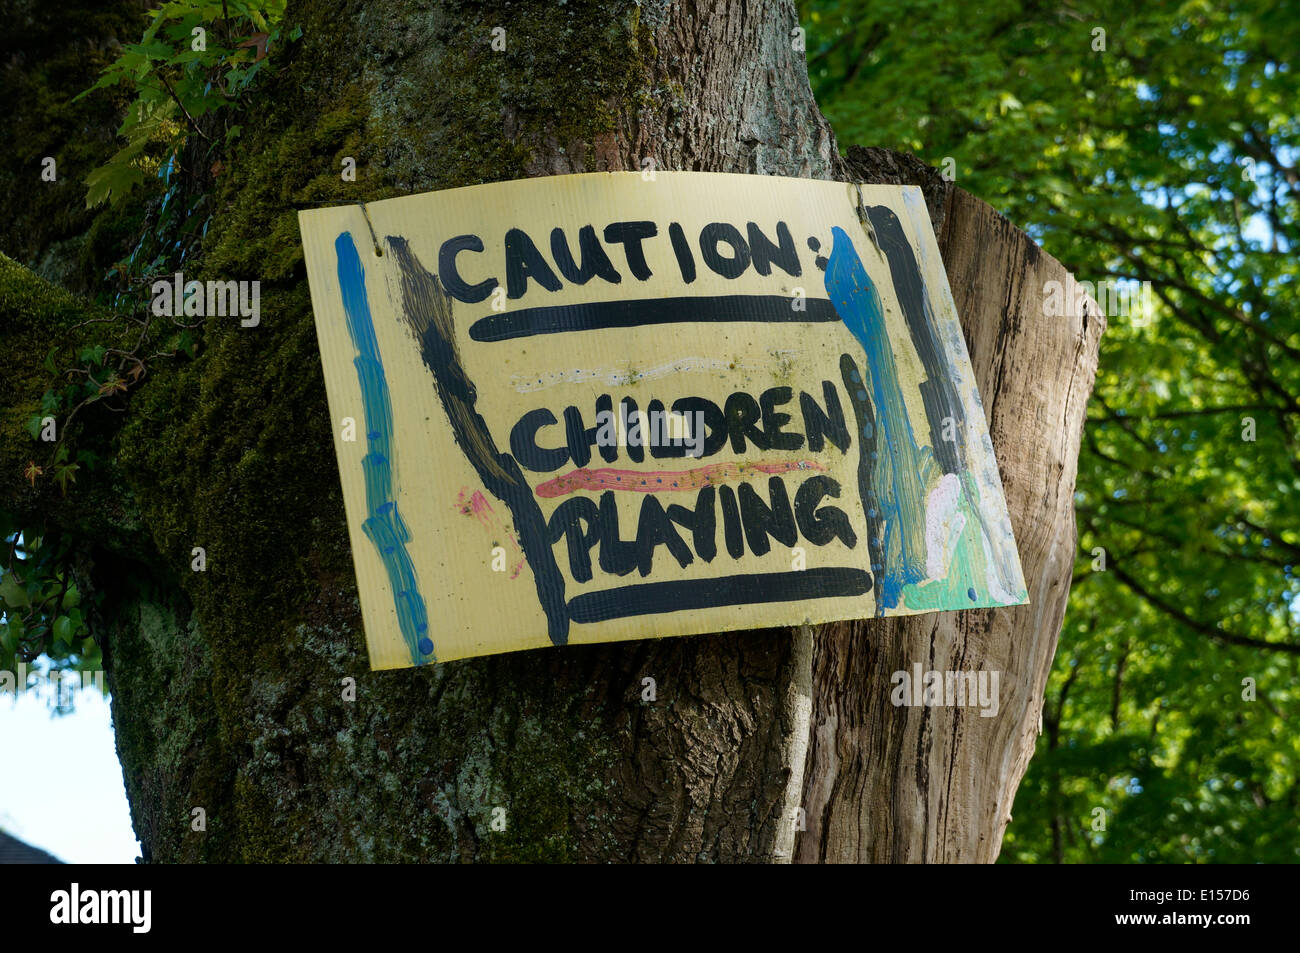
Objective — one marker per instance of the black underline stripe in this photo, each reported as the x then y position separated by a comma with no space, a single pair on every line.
658,597
648,311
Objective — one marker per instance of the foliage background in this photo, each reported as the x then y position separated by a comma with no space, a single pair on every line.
1166,152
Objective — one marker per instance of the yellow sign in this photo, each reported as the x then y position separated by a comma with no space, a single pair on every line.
630,405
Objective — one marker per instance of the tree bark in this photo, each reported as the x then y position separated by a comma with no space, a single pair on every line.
760,746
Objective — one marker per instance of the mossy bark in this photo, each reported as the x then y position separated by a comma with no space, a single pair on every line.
229,684
50,52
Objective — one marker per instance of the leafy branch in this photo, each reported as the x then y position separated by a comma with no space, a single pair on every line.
184,74
40,605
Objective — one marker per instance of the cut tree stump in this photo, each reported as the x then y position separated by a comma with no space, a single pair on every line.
873,771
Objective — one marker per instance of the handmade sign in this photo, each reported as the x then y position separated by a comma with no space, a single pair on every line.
619,406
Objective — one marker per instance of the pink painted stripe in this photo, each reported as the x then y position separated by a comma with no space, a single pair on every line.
671,481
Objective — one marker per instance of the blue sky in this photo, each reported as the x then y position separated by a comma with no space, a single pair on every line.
60,782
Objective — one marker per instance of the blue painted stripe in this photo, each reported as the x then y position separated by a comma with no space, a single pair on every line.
384,526
895,474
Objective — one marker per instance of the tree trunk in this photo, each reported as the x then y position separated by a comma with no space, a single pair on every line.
228,684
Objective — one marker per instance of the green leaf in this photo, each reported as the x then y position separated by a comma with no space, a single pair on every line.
93,355
111,77
13,593
155,50
63,475
111,183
